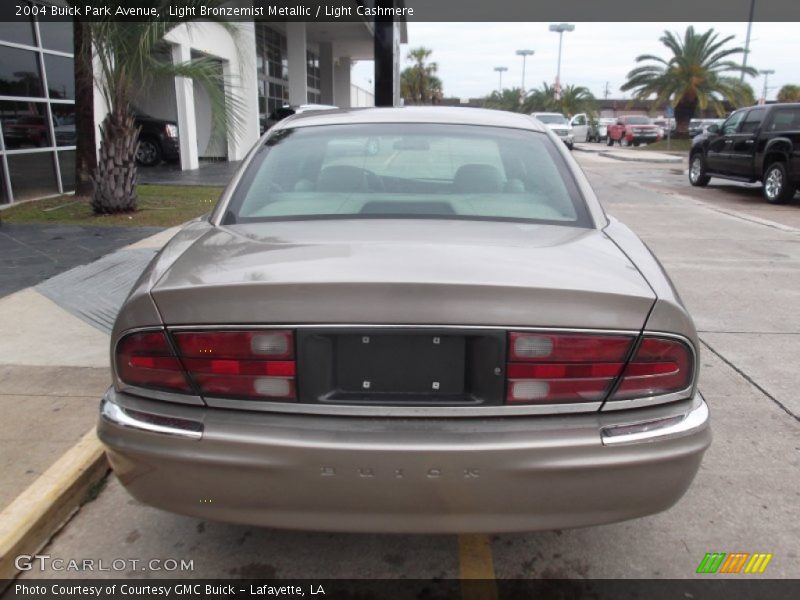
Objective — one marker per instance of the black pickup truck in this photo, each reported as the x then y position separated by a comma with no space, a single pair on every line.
760,143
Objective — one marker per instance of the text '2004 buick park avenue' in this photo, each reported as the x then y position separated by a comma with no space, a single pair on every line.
406,320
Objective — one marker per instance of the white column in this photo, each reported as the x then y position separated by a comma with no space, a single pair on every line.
296,55
341,82
184,99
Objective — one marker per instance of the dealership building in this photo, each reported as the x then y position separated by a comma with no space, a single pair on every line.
265,64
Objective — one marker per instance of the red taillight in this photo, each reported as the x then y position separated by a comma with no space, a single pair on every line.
146,360
546,368
230,364
659,366
240,364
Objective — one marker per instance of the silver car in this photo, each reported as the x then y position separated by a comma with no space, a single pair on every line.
406,320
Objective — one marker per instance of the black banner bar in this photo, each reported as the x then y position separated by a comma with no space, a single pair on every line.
711,587
785,11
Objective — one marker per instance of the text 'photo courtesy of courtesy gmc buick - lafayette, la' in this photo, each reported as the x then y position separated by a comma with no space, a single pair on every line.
406,320
761,143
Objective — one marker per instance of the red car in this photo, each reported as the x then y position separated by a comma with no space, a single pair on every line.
633,130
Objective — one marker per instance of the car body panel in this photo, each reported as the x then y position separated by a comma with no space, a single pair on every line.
398,475
354,271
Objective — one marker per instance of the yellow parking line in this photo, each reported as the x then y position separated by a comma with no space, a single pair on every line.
475,563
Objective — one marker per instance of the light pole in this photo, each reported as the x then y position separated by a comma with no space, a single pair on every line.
524,54
560,29
766,73
747,39
500,80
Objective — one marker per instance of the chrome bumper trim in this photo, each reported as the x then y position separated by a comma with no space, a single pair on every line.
134,419
657,429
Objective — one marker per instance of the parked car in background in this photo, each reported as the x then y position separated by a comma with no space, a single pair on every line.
26,131
558,124
698,126
158,140
633,130
287,111
588,128
760,143
444,333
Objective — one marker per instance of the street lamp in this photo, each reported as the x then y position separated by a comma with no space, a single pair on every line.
500,82
747,40
524,54
766,73
560,29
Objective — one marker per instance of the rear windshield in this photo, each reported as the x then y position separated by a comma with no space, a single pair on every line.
408,171
553,119
637,120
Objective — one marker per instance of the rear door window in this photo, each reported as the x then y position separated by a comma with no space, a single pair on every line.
785,119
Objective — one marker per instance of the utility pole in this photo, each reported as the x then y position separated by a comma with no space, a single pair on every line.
766,73
606,92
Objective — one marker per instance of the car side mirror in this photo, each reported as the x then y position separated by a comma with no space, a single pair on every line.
714,128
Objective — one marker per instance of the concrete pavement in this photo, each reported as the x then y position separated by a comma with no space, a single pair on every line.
54,366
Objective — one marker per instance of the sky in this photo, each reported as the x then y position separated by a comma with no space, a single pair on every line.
592,54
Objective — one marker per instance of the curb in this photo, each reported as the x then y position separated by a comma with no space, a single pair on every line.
38,513
675,159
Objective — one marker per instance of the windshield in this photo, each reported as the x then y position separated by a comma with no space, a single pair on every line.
408,171
553,119
637,120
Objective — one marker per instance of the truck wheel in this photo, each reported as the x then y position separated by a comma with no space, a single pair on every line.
777,187
697,170
609,141
149,152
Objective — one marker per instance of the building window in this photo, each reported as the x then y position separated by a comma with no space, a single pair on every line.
273,71
314,96
37,110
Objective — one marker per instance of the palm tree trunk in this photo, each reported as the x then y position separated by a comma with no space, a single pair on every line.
85,152
684,112
115,177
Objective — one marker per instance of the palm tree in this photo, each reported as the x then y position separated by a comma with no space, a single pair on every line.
575,99
508,99
130,56
696,76
789,93
419,83
541,99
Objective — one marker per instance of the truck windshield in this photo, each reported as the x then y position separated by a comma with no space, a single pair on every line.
408,170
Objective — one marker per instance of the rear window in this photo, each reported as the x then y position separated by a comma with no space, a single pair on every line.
785,119
637,120
408,171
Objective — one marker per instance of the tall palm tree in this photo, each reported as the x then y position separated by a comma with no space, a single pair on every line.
695,76
419,83
789,93
130,56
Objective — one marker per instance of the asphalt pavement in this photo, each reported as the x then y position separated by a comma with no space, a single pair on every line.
736,263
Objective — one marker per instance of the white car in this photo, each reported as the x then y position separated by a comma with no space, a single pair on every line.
558,124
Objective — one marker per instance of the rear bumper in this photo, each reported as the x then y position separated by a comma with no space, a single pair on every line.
404,475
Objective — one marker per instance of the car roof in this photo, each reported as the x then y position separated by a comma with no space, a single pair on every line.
450,115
